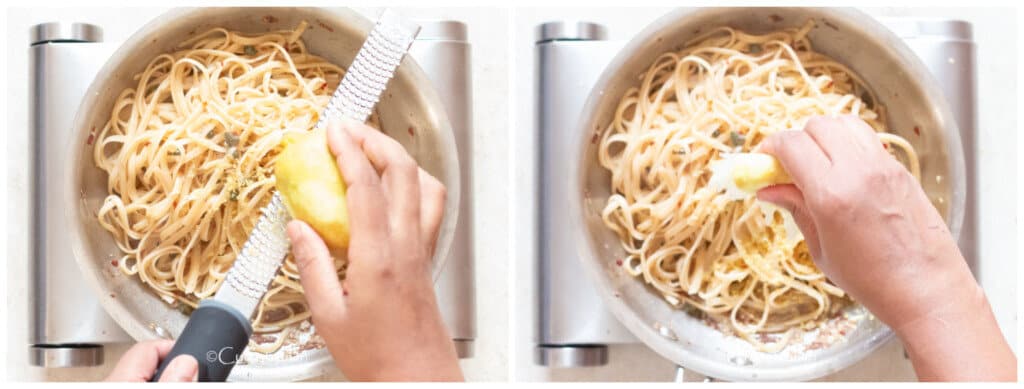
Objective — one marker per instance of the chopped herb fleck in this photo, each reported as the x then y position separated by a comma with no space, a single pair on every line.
209,134
716,133
234,195
693,311
186,309
174,152
736,138
755,48
249,50
230,139
679,151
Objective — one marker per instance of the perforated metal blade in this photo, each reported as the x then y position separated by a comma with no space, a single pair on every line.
357,94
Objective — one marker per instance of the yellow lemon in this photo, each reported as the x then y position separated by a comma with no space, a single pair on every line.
753,171
312,187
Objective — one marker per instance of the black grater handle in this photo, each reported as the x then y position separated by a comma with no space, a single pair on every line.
215,335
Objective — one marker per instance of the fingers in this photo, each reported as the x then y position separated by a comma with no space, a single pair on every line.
791,199
408,198
140,361
431,209
399,173
182,368
800,155
863,133
845,138
316,272
352,161
366,203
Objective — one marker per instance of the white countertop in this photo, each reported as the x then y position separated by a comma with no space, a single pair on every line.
998,233
490,84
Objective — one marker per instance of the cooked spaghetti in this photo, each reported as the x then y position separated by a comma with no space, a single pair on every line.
189,152
734,260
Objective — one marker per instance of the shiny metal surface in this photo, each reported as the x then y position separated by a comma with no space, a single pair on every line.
410,112
571,356
901,82
464,348
256,265
570,309
442,51
442,30
570,31
947,49
68,356
63,315
65,33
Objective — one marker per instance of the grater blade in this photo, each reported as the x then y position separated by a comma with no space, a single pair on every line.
357,94
374,65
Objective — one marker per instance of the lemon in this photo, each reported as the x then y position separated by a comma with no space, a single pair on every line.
312,186
753,171
741,175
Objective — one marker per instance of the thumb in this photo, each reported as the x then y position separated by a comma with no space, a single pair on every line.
184,368
789,197
317,274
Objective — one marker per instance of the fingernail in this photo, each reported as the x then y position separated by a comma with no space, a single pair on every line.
293,229
301,251
298,232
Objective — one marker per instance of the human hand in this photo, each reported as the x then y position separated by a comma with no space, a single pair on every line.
382,323
867,222
140,362
872,230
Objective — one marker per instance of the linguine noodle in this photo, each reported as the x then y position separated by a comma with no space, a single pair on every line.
189,152
736,260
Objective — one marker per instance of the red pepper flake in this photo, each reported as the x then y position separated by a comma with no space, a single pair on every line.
113,262
830,83
92,136
618,262
412,131
886,145
917,130
344,292
324,86
595,138
113,295
270,19
775,18
326,27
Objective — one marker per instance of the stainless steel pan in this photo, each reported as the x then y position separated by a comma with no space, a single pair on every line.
409,111
891,70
